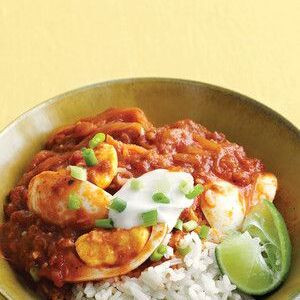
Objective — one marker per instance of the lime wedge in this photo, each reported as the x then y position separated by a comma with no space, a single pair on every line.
257,260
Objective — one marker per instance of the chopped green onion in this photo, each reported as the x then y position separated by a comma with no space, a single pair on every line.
118,204
104,223
158,253
149,218
184,187
197,190
156,256
136,184
89,157
78,173
96,140
184,251
160,198
190,225
74,202
179,224
203,231
162,249
34,274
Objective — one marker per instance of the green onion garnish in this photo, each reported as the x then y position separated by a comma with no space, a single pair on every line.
156,256
34,274
203,231
78,173
118,204
74,202
149,218
197,190
179,224
96,140
104,223
190,225
184,187
184,251
160,198
158,253
162,249
136,184
89,157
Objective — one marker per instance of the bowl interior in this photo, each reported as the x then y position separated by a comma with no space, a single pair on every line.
263,133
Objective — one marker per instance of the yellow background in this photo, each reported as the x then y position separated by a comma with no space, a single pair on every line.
49,47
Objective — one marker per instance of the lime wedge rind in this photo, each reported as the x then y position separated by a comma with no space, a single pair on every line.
284,238
257,268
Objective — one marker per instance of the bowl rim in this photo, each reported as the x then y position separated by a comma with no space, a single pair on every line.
246,99
277,117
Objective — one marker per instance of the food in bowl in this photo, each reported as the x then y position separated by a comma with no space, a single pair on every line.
115,208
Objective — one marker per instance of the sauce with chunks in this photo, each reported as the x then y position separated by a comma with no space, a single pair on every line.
29,241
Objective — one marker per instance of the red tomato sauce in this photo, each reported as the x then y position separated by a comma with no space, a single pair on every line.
27,241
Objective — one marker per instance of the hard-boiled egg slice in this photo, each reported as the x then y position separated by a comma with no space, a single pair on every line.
104,172
103,254
48,197
265,188
223,206
102,247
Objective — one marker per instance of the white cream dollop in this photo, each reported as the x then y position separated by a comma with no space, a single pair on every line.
140,201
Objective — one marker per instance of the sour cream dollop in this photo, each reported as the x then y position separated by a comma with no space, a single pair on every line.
140,201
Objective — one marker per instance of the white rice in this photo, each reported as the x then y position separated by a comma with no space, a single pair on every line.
196,276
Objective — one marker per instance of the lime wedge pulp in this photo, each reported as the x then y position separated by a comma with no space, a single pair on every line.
258,259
